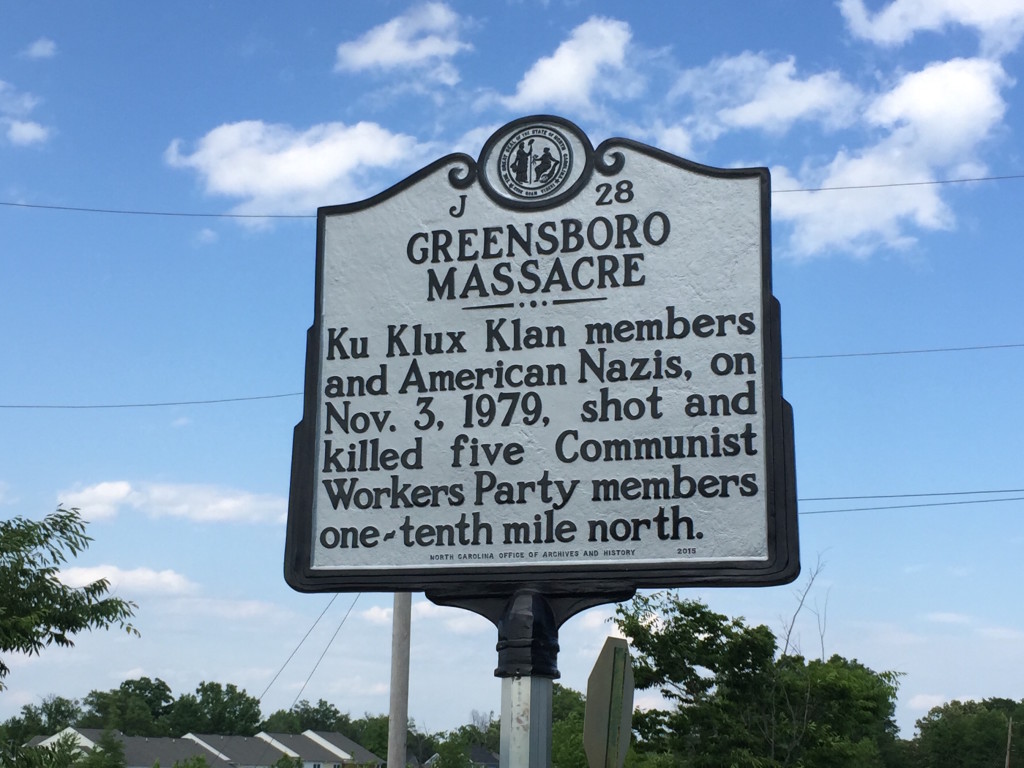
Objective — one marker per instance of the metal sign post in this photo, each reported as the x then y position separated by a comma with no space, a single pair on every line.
551,370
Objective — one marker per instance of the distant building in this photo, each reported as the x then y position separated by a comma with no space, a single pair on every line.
141,751
352,753
312,749
479,757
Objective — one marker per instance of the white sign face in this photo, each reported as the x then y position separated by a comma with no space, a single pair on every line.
553,361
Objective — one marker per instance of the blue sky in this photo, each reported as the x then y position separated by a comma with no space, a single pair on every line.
215,113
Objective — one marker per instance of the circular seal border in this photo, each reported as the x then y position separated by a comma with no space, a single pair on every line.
513,187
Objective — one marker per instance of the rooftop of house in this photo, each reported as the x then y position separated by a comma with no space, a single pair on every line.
263,750
239,750
358,753
148,751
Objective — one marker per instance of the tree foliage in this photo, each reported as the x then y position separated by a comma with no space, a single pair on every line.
303,716
63,753
214,708
371,731
735,701
137,707
568,708
454,748
108,753
970,734
36,608
53,714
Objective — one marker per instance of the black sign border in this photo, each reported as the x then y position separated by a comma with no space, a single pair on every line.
446,584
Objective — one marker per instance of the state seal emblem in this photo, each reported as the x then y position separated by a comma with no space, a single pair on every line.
535,163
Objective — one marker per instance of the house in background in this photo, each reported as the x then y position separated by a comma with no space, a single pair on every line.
237,751
140,751
313,749
345,751
147,751
481,757
478,755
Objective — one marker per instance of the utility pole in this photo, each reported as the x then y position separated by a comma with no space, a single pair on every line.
398,717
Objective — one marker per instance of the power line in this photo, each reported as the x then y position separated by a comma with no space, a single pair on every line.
187,214
933,494
910,506
184,214
911,495
296,649
218,400
327,648
161,404
902,352
902,184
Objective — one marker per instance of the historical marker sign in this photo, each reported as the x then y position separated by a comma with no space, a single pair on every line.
553,364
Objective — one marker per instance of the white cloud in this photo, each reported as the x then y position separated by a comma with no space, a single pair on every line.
206,236
15,106
100,501
599,619
645,701
673,138
377,615
1009,634
591,60
781,99
207,503
924,702
43,48
202,503
15,103
425,39
455,620
934,121
948,618
137,580
751,91
23,133
870,218
1000,23
233,610
889,635
944,111
278,169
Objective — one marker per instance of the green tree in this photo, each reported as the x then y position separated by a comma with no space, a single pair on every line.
282,721
53,714
215,708
63,753
36,608
969,734
735,701
108,753
453,749
422,746
371,731
136,708
568,708
303,716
